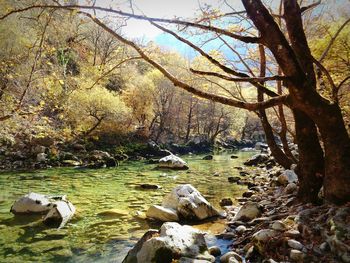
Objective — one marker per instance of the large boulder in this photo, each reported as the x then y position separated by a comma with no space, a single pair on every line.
257,159
58,209
172,162
189,203
173,241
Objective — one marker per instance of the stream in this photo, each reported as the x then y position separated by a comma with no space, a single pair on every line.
94,234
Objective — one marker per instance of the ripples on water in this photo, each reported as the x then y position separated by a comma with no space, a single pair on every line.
92,236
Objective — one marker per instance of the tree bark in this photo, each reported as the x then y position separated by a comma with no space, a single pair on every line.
310,167
337,155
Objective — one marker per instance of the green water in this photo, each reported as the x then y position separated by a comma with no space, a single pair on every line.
90,237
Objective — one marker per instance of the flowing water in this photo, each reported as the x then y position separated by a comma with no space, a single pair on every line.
95,235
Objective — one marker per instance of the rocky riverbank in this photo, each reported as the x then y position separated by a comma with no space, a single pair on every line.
272,226
269,225
46,153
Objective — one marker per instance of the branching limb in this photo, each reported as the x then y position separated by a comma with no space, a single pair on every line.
305,8
223,100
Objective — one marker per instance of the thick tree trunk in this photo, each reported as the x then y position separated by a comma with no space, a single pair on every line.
337,155
310,168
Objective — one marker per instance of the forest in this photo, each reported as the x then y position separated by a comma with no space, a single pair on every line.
188,131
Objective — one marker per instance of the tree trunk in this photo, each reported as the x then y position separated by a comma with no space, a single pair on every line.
310,168
189,121
276,152
337,155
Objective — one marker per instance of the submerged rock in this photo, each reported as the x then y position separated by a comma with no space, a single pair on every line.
113,213
208,157
172,241
150,186
172,162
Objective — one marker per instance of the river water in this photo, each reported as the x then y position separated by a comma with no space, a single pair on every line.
95,235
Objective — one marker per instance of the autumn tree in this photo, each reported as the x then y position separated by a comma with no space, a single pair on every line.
328,165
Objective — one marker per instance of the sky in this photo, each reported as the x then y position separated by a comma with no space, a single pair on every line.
160,8
138,29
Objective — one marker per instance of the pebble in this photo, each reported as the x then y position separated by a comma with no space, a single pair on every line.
214,251
241,229
295,244
292,233
225,202
279,226
324,247
290,188
226,258
248,194
296,255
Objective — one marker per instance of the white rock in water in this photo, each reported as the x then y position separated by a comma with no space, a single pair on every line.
32,203
173,162
162,213
189,203
58,209
248,211
59,215
287,176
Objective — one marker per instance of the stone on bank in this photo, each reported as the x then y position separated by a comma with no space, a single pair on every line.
172,241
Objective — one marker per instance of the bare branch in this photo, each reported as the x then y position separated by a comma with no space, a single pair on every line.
216,62
111,70
213,97
329,77
331,42
304,8
244,79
